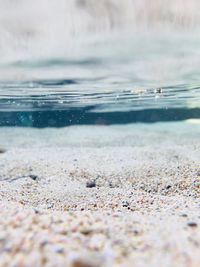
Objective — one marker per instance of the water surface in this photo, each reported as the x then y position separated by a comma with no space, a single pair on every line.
133,67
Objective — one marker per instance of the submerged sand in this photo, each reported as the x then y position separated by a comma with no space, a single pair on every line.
90,196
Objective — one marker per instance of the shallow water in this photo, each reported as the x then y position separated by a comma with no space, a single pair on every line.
67,65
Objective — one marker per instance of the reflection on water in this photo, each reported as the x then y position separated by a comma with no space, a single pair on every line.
111,57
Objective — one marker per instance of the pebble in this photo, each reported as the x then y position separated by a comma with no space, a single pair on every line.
192,224
168,187
125,204
91,184
49,206
36,211
86,230
184,215
89,260
33,177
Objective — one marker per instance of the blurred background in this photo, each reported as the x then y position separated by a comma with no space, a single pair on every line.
47,28
85,56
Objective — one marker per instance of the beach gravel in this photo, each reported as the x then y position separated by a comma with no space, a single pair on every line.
96,196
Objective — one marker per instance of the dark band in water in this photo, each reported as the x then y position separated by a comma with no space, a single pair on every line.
83,116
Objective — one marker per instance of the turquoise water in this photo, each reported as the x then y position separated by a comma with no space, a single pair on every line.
79,74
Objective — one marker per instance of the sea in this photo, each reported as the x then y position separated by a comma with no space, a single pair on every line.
108,62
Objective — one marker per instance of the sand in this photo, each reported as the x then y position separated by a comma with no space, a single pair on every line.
90,196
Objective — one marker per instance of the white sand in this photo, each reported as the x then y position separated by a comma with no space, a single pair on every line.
143,211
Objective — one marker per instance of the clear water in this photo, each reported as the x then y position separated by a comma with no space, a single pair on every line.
80,62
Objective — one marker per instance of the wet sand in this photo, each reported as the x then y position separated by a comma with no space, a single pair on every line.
100,196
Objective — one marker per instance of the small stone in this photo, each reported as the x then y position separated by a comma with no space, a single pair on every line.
91,184
2,150
192,224
36,211
168,187
136,232
49,206
58,249
79,263
111,185
184,215
86,230
33,177
89,260
125,204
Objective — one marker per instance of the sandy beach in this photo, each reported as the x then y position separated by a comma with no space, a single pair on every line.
91,196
